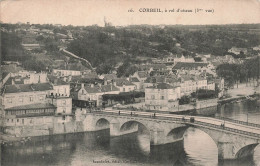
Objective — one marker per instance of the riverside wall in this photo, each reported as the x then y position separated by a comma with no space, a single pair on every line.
57,126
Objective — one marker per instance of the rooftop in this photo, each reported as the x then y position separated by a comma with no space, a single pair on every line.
108,88
109,76
134,79
31,106
28,87
142,74
56,81
161,86
122,81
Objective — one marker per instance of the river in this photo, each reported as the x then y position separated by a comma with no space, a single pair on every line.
96,148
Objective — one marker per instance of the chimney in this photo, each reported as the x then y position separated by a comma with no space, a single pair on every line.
82,85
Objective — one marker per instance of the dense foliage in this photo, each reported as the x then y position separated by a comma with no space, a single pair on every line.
235,73
11,48
107,47
185,100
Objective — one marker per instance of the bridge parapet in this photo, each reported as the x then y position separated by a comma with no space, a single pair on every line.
239,122
224,129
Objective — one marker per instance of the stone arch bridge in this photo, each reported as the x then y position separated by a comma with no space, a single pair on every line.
233,140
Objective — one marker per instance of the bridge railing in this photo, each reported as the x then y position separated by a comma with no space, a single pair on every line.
227,128
238,121
187,121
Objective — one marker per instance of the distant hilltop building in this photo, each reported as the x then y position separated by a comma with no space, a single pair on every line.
175,58
31,46
107,24
237,51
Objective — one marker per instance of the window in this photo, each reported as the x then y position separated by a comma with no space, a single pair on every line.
41,98
123,89
31,98
9,100
22,121
20,99
162,97
82,91
63,117
64,110
17,120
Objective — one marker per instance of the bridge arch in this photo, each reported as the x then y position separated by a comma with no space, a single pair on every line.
176,133
102,123
246,150
133,125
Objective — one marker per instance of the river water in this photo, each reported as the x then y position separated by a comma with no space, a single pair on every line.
97,148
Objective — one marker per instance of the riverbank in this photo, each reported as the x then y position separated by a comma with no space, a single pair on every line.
241,93
7,138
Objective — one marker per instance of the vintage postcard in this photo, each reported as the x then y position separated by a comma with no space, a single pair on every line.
130,82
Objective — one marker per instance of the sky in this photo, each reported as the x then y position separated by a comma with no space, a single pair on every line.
89,12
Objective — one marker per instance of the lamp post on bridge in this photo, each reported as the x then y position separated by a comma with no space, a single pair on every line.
247,117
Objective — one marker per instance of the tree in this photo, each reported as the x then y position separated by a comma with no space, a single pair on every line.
126,70
40,38
197,59
11,48
227,71
104,69
34,65
184,100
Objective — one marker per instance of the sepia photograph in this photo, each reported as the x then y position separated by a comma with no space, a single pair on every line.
130,83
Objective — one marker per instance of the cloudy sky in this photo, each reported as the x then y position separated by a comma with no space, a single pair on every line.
89,12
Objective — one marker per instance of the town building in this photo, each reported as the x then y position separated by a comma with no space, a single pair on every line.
175,59
139,77
138,84
71,69
161,97
124,85
237,51
196,68
190,84
60,87
86,93
34,104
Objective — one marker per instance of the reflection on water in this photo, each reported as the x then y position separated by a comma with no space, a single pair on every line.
97,148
